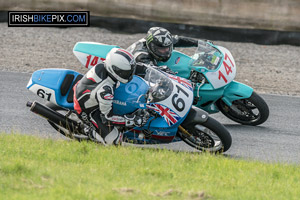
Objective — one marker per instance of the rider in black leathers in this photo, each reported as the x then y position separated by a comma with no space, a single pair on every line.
158,46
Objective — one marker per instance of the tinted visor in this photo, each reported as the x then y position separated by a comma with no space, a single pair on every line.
164,50
125,74
161,51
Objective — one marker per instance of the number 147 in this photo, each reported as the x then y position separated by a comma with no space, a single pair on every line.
227,69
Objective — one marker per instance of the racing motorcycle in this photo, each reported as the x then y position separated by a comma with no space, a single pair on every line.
166,100
212,70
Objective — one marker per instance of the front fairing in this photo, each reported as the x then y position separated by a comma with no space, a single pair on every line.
169,99
215,62
215,78
177,99
178,63
131,96
169,96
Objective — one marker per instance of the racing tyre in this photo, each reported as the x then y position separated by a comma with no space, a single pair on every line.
62,130
210,136
251,111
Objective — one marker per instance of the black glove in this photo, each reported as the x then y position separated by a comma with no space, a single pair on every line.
140,69
138,118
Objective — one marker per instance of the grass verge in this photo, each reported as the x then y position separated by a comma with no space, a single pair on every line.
35,168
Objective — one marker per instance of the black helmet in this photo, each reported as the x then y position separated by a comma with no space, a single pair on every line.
159,43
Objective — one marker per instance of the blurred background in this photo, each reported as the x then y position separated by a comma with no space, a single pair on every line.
257,21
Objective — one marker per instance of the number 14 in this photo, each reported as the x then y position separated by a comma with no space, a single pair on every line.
94,61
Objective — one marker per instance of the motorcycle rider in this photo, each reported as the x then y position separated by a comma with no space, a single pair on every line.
94,93
158,46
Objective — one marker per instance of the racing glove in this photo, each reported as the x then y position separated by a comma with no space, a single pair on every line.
139,118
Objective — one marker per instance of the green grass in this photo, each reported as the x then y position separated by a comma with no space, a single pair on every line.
35,168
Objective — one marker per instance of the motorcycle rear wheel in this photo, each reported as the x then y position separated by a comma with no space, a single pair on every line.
210,136
62,130
251,111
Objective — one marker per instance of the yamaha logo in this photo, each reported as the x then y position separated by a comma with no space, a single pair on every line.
122,103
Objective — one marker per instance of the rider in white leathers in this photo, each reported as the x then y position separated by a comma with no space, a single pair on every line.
94,93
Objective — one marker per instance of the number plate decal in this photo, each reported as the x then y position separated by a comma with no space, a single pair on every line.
180,101
225,74
89,61
44,92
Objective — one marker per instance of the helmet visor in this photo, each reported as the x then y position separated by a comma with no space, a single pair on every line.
161,51
164,50
125,74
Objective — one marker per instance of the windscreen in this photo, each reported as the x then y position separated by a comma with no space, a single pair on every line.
160,85
206,56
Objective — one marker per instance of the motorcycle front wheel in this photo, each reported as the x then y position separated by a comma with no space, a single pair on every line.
210,136
62,130
251,111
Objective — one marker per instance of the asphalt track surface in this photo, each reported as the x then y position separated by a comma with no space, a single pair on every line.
277,140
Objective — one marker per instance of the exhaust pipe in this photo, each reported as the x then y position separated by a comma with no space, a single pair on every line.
53,116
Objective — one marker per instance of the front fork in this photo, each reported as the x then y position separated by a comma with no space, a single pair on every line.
195,116
184,131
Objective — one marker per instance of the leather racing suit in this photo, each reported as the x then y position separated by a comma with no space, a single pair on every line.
93,98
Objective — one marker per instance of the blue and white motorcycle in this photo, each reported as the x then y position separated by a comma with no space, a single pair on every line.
167,102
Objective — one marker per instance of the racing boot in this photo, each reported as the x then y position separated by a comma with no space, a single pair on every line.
92,133
114,137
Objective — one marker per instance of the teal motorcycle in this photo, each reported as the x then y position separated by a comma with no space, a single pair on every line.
212,70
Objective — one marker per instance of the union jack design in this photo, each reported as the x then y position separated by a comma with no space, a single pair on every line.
170,116
186,83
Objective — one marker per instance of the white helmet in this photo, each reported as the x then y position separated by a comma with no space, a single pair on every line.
120,64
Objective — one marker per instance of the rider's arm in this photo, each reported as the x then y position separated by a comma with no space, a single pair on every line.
143,57
181,41
140,52
105,95
140,69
